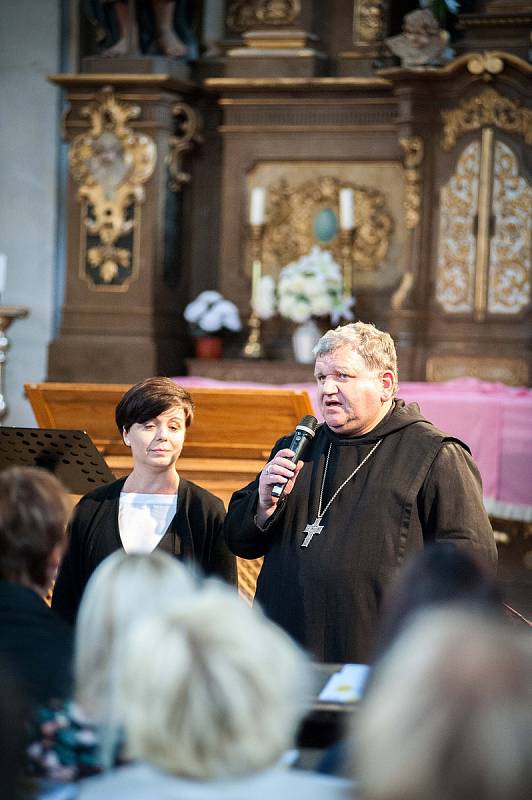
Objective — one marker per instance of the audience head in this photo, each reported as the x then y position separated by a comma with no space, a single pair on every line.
121,591
448,715
375,347
150,398
34,510
225,688
440,574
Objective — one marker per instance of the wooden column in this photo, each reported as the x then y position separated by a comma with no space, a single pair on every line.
122,312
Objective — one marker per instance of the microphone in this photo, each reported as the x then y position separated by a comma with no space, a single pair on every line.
305,432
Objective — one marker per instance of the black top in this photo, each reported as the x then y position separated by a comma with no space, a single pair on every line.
35,643
418,486
194,534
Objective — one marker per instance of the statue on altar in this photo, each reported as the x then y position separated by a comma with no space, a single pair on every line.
133,27
422,41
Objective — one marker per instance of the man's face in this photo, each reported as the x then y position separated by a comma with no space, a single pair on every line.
352,398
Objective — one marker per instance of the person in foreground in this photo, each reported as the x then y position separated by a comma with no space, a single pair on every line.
35,643
377,483
79,738
448,715
209,714
153,507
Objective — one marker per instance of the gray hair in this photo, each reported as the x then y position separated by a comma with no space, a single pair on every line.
221,692
375,347
122,590
448,714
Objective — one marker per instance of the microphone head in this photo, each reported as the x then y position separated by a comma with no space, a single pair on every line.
309,425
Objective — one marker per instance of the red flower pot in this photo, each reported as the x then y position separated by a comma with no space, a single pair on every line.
209,347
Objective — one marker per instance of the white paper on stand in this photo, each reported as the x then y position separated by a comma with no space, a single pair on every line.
346,685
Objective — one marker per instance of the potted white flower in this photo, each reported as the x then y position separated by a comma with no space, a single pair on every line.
208,316
308,288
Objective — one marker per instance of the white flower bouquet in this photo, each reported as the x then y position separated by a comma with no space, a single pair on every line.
210,313
312,286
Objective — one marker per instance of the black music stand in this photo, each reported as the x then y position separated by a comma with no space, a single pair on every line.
71,455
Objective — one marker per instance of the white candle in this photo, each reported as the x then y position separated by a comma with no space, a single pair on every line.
3,272
347,210
258,201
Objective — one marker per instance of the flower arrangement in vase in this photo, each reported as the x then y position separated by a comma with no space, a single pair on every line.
307,288
208,316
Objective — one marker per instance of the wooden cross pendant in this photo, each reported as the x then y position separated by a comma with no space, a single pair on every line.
310,530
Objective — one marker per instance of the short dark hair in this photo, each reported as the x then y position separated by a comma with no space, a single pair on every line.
149,398
34,510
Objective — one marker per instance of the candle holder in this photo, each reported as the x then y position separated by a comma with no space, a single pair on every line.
253,347
346,253
8,314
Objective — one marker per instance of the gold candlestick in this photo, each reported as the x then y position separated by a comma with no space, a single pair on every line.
253,347
346,250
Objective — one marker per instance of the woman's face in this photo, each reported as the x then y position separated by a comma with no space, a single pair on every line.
158,442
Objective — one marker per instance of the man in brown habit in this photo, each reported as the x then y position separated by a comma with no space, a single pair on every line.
377,482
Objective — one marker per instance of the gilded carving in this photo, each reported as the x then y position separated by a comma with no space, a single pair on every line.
488,108
368,21
455,275
292,211
512,371
110,162
486,64
510,264
189,131
413,158
243,14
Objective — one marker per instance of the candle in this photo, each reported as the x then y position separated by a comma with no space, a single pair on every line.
347,211
258,201
3,272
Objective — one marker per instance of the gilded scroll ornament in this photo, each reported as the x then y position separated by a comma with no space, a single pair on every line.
244,14
413,158
110,162
485,64
487,108
368,21
293,212
509,282
189,132
455,276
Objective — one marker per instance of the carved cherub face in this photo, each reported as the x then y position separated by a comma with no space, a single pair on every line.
420,27
108,164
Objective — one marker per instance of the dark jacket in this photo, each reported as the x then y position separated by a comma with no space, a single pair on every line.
420,485
35,643
194,535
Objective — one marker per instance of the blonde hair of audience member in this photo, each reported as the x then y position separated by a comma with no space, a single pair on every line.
221,693
375,347
122,590
448,715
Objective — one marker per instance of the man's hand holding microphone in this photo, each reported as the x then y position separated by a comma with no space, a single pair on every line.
279,475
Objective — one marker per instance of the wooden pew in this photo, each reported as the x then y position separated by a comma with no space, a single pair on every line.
229,441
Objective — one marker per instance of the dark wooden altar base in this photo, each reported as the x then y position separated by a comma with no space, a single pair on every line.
249,369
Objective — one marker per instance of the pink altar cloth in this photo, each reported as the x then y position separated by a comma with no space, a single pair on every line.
493,419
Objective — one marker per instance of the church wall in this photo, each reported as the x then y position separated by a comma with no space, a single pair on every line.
29,136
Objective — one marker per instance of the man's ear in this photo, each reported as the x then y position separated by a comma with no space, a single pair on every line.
125,437
387,383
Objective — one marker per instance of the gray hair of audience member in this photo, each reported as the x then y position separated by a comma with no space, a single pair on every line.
375,347
221,692
122,590
34,509
448,715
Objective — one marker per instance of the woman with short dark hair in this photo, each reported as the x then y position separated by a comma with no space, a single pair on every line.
153,507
